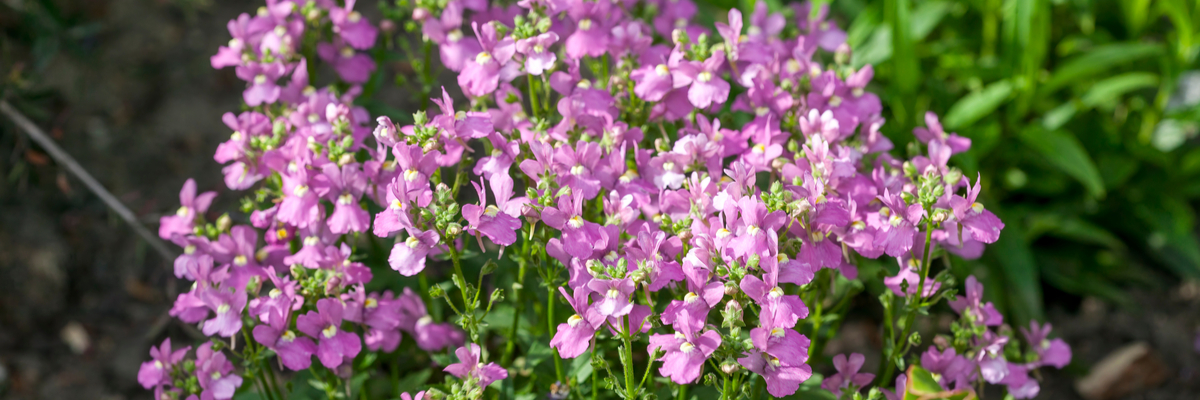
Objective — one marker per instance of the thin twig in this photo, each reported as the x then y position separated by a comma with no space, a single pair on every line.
65,159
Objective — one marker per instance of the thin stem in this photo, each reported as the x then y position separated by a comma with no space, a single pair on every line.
533,100
627,336
272,382
558,369
901,342
519,306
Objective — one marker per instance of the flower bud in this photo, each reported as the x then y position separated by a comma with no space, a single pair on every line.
488,267
453,229
841,56
595,267
953,176
731,288
732,314
224,222
497,295
436,291
297,271
254,284
729,367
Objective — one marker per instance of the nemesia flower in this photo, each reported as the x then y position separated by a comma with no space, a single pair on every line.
191,206
685,350
215,374
157,372
972,304
573,337
408,256
334,345
847,375
1052,352
469,367
295,352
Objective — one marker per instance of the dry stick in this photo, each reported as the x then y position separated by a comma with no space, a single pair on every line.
65,159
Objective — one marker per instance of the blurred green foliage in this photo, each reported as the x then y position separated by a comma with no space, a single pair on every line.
1083,116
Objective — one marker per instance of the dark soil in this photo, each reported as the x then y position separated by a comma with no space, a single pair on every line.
82,299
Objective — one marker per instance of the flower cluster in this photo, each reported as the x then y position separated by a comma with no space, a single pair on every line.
979,352
667,170
291,273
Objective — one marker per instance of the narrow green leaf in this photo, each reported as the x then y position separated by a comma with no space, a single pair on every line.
904,57
921,385
1059,116
1098,60
1019,270
926,16
976,105
1065,152
1113,88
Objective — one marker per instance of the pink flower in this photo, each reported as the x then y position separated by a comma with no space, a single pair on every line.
408,256
685,350
215,373
191,206
847,376
707,86
573,337
469,367
538,56
295,352
352,27
498,222
157,372
335,345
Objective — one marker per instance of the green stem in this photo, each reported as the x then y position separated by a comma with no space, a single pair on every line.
533,100
725,395
682,391
901,342
558,369
518,305
628,359
272,382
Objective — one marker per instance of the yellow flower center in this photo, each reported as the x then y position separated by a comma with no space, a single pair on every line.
704,76
585,24
329,331
661,70
686,347
483,58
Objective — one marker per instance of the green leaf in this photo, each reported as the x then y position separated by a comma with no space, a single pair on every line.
1113,88
415,381
921,385
1059,116
582,367
1019,270
1065,152
976,105
904,58
1098,60
926,16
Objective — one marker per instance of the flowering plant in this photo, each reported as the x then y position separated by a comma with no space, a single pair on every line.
700,202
